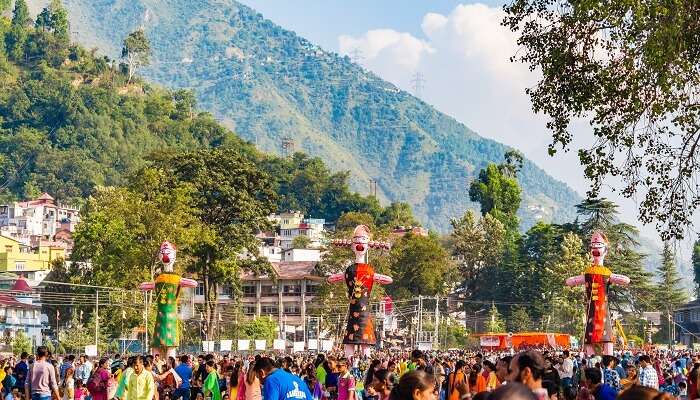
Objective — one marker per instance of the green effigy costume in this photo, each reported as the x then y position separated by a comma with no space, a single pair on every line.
167,291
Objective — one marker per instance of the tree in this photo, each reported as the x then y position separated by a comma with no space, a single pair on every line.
397,214
519,320
301,242
696,267
20,15
351,219
567,304
136,52
59,20
4,5
420,266
232,199
21,343
669,292
259,328
17,36
498,195
495,324
43,20
630,69
476,244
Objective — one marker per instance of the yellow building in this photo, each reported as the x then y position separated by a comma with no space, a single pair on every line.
15,257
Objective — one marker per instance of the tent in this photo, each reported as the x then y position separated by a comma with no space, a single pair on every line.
501,341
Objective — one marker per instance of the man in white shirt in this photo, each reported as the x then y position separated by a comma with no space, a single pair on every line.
566,371
647,373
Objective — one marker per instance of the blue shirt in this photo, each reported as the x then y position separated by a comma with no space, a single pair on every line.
281,385
21,372
185,373
605,392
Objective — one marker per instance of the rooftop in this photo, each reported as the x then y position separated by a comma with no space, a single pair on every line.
289,270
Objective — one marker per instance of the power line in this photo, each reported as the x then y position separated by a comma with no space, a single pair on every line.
418,82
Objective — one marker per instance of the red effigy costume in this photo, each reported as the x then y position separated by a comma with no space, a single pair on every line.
598,336
359,277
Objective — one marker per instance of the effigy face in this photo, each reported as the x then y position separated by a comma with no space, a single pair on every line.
167,255
360,240
599,248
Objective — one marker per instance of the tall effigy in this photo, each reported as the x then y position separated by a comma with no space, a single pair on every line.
165,340
359,278
598,337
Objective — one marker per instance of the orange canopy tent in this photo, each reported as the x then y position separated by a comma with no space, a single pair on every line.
500,341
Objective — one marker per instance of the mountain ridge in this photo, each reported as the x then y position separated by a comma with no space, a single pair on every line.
270,85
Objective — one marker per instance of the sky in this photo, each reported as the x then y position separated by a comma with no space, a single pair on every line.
461,51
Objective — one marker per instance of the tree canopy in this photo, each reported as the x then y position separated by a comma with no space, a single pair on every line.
631,70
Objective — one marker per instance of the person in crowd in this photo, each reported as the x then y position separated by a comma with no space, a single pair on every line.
512,391
528,368
141,385
41,382
456,380
416,385
184,371
566,370
596,387
84,369
21,371
346,381
647,373
68,362
9,383
210,387
99,381
279,384
631,377
80,392
610,375
68,384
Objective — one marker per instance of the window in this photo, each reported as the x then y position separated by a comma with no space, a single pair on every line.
199,290
292,290
249,309
8,248
226,290
679,317
269,309
36,314
312,289
695,315
19,266
292,309
249,291
269,290
2,311
13,313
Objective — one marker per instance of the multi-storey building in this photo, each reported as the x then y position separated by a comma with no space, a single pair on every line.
293,224
18,311
687,319
41,219
22,260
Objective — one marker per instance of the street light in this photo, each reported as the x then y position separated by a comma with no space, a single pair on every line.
475,313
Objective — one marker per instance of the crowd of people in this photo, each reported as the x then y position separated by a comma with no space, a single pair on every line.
387,375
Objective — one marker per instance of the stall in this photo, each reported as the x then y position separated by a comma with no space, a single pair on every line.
523,340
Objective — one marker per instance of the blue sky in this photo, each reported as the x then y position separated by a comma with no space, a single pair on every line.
462,51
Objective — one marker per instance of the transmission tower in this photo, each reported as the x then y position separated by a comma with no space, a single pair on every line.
356,55
287,146
418,82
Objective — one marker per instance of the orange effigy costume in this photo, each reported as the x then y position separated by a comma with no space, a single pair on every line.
598,337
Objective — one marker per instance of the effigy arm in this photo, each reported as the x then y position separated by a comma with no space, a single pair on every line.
576,280
382,279
147,286
618,279
335,278
189,283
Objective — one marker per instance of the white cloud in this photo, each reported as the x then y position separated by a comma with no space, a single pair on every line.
405,49
465,59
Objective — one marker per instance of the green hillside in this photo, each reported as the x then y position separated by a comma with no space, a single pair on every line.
268,85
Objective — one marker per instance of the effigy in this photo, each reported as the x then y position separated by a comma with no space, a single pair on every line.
598,336
167,286
359,278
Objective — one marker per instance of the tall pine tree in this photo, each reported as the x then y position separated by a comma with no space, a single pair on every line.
669,292
696,267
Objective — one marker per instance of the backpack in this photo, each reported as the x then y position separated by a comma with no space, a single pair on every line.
95,384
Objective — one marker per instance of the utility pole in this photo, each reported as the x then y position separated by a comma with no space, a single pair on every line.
356,55
436,339
418,82
97,314
420,317
145,320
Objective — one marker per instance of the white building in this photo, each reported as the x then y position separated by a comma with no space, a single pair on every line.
18,311
34,220
293,224
298,255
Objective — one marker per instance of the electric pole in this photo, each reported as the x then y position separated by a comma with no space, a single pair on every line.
97,314
418,82
436,339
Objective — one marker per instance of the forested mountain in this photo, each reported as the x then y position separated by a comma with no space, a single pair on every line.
271,86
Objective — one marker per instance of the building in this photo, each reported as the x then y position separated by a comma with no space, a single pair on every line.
295,255
30,263
293,224
18,311
687,318
401,231
40,219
